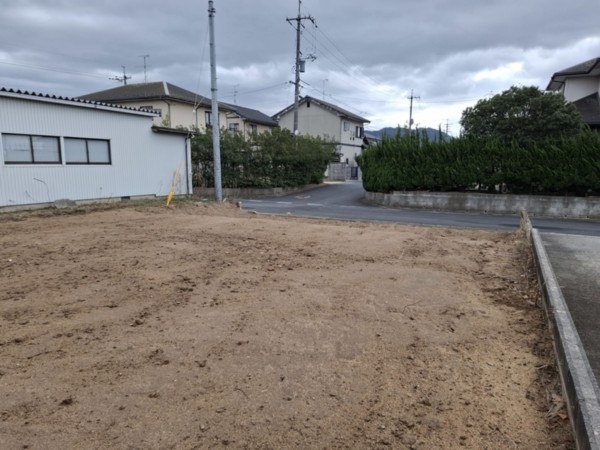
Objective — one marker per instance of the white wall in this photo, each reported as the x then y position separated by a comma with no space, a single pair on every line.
143,162
318,121
578,88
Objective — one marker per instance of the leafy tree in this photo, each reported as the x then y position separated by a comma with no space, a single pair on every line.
523,115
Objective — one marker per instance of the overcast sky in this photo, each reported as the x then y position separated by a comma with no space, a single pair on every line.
369,55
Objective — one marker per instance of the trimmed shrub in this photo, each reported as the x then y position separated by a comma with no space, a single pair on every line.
560,167
267,160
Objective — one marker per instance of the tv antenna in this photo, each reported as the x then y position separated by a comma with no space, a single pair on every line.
123,79
145,57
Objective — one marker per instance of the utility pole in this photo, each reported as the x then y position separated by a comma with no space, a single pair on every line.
124,78
299,61
410,119
215,105
145,57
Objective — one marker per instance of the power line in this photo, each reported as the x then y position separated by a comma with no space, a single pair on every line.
285,83
53,69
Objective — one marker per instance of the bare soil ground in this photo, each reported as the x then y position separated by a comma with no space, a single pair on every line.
202,326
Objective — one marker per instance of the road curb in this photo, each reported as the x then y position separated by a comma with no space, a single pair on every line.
579,385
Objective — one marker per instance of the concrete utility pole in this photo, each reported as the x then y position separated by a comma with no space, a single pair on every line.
215,105
299,61
410,119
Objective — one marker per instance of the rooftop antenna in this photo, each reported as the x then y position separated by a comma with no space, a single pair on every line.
235,92
145,57
124,78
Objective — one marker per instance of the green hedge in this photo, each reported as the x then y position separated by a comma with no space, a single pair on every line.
567,166
267,160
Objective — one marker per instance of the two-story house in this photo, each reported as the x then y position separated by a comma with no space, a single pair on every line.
178,107
248,121
580,85
320,118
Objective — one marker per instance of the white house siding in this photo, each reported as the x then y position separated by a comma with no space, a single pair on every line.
578,88
350,143
142,162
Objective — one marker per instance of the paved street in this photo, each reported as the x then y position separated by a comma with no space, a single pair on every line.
345,201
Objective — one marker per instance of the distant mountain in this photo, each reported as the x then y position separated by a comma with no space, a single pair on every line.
432,133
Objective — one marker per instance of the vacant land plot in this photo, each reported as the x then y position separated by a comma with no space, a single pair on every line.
202,326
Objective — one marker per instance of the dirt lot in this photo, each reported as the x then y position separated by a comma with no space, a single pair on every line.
202,326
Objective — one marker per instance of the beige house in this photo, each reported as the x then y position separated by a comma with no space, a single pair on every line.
320,118
177,107
580,85
248,121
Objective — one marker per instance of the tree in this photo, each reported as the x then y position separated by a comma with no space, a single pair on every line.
522,115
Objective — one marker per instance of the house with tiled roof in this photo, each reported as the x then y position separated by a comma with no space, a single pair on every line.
178,107
320,118
580,85
248,121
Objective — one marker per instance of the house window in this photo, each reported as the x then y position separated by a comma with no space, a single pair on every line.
87,151
234,127
208,118
253,128
345,126
26,149
359,132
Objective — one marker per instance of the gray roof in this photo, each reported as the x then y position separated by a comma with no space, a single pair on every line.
6,92
252,115
326,105
159,90
587,68
589,108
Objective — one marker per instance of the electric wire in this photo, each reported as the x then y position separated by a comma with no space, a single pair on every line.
54,69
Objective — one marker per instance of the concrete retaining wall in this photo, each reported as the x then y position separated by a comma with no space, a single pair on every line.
578,382
234,193
535,205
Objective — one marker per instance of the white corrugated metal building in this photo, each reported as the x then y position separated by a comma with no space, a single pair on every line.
54,148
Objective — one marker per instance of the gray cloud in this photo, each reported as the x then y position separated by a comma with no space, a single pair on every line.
368,57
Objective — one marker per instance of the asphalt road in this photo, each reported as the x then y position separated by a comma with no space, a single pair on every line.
345,201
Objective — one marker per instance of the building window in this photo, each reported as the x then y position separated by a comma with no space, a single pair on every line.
87,151
234,127
359,132
26,149
253,129
346,127
208,118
